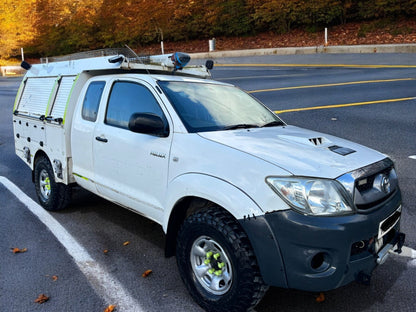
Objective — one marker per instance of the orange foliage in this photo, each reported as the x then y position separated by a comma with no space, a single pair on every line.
18,250
110,308
320,298
147,273
53,27
41,299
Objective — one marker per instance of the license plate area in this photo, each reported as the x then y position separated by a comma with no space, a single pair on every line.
385,228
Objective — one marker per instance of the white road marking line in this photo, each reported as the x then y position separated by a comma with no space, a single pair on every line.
105,285
409,253
412,156
406,252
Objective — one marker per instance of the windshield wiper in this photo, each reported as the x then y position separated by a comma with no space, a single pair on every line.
273,123
240,126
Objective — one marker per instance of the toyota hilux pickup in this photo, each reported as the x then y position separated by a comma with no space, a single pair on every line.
246,200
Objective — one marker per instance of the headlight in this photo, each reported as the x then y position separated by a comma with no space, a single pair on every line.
312,196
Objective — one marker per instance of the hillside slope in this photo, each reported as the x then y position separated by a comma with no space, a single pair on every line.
375,32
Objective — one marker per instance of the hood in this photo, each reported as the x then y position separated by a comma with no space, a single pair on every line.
301,152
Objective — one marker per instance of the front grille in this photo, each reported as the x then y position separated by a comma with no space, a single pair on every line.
366,183
371,186
375,204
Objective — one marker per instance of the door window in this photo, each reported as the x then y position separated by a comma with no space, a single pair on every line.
92,100
127,98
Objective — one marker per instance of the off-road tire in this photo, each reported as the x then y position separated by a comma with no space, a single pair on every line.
52,196
247,286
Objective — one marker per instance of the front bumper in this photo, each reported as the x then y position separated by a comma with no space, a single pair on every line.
322,253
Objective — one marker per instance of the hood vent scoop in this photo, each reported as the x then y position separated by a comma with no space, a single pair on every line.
317,141
314,141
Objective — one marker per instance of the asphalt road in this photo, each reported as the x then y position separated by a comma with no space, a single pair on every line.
361,114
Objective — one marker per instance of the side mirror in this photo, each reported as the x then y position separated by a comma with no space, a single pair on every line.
148,123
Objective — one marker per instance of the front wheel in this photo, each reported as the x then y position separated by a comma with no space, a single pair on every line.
217,263
51,195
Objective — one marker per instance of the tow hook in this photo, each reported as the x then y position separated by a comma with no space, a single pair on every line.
384,253
400,242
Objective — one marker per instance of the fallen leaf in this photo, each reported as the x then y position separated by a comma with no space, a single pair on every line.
110,308
42,299
17,250
126,243
146,273
105,251
320,298
54,278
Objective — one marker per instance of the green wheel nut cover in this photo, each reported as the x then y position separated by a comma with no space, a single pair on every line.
48,185
216,256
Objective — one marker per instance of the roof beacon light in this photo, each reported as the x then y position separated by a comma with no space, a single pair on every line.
26,65
116,59
180,60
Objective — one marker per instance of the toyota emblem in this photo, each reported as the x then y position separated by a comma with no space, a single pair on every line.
385,184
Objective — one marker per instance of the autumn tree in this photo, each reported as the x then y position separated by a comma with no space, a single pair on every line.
53,27
370,9
65,26
233,18
16,26
281,16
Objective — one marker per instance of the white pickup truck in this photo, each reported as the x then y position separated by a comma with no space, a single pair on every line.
246,201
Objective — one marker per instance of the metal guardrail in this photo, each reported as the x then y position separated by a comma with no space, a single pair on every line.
12,71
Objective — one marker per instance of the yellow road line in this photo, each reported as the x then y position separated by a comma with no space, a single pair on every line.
332,84
317,65
343,105
257,77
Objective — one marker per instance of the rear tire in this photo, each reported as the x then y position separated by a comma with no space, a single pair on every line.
52,196
217,263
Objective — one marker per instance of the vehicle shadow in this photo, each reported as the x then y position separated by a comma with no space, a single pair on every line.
100,224
127,245
380,295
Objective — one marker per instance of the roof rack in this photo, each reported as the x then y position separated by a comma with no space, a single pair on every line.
117,59
95,53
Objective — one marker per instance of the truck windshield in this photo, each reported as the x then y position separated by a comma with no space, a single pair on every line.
212,107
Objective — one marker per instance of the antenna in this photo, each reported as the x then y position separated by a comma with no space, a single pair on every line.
138,57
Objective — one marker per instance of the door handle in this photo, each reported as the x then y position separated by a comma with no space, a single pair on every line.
98,138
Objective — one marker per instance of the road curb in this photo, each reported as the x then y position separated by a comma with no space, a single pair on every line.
377,48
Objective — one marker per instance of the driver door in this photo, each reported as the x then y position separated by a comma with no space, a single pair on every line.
131,168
